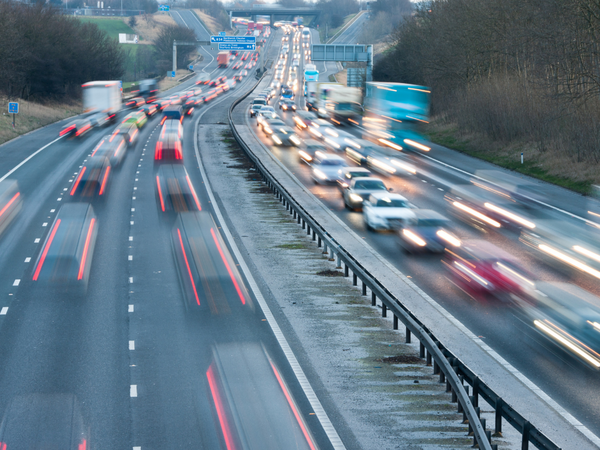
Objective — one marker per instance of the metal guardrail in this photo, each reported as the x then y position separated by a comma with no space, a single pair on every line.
450,369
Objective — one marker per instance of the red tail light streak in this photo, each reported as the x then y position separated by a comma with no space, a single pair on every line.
86,249
45,251
187,264
234,281
78,180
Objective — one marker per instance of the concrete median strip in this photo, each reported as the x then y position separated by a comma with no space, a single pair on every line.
519,392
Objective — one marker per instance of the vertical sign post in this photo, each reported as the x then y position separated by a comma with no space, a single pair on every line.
13,108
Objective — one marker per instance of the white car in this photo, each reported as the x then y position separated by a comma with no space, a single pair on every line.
386,211
325,168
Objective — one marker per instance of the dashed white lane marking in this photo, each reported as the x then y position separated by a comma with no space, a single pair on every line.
130,257
28,259
16,282
133,198
424,181
70,181
130,308
131,345
137,448
37,241
136,179
131,222
52,210
440,189
65,189
133,390
135,188
130,280
4,310
132,209
45,224
58,199
130,238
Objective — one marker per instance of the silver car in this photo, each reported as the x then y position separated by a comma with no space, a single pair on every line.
359,189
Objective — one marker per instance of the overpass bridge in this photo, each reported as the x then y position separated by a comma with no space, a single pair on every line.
274,13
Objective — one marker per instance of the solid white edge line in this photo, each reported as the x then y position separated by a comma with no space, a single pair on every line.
10,172
328,427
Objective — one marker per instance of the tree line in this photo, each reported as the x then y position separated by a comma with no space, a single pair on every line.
48,55
511,69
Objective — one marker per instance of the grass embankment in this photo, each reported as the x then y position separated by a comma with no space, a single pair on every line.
550,166
32,116
211,24
147,26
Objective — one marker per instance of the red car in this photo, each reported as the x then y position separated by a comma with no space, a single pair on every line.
483,270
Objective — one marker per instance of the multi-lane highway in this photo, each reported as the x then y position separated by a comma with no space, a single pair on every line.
142,368
572,384
132,362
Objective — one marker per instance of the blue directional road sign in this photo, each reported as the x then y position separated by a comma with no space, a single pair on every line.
191,67
222,33
228,46
171,73
13,108
233,39
164,7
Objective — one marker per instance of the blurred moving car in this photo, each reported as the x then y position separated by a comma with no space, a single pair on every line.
325,168
92,180
482,269
311,149
254,406
359,189
285,136
10,202
208,274
174,190
287,105
135,102
149,109
44,421
269,124
303,119
137,118
128,131
565,315
347,174
427,232
169,146
254,109
66,256
112,147
386,211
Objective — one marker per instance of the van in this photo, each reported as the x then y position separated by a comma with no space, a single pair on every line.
259,101
173,113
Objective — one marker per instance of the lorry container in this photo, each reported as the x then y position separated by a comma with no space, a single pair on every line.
337,101
311,77
259,26
251,25
223,59
102,96
400,109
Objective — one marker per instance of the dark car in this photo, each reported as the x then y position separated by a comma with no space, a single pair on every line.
66,256
427,232
150,109
287,105
135,102
173,112
208,274
174,190
92,180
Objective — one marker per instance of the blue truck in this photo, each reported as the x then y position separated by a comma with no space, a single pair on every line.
395,114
